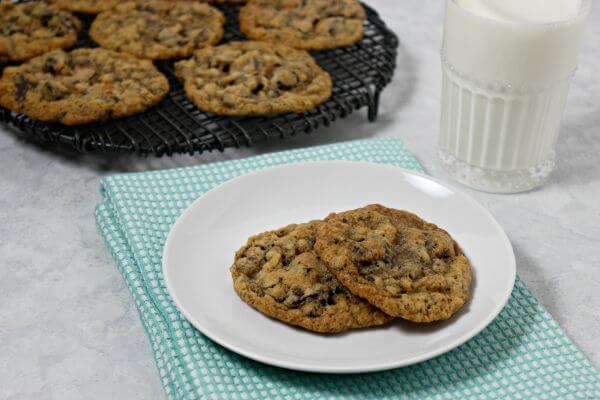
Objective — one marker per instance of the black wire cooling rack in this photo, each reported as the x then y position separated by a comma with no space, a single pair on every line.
359,73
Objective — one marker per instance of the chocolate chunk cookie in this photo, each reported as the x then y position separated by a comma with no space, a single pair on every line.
30,29
280,275
82,86
157,29
405,266
86,6
253,78
304,24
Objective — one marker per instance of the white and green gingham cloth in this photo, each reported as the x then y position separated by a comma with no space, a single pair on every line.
523,354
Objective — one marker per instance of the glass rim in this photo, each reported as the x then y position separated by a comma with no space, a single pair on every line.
584,11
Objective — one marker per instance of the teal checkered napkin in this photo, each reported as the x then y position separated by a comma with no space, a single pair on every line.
523,354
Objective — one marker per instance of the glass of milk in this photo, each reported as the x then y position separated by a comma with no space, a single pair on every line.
506,71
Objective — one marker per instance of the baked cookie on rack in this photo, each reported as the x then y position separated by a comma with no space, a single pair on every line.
253,78
86,6
28,30
304,24
82,86
405,266
158,29
280,275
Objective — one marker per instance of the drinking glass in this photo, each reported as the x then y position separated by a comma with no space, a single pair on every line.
504,88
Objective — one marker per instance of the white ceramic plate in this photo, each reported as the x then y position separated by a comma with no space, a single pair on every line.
201,246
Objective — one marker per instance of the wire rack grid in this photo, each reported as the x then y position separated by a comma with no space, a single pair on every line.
359,73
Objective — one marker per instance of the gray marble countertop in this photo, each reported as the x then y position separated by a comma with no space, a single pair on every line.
68,326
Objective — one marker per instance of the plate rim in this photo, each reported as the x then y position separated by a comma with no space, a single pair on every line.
256,356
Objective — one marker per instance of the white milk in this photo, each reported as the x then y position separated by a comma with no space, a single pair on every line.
537,11
506,71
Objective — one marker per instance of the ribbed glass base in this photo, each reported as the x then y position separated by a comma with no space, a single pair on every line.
496,181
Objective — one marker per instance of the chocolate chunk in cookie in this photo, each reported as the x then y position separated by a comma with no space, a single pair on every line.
28,30
304,24
81,86
405,266
253,78
158,29
279,274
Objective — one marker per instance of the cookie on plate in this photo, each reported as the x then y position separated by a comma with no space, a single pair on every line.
253,78
405,266
304,24
280,275
157,29
86,6
28,30
81,86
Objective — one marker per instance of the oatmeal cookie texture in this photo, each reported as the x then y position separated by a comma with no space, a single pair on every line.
253,78
304,24
400,263
86,6
158,29
28,30
279,274
81,86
